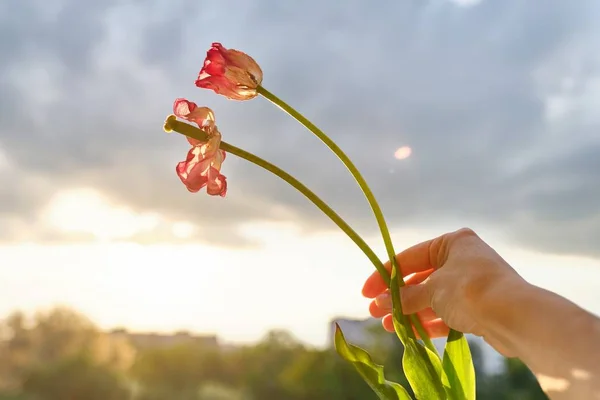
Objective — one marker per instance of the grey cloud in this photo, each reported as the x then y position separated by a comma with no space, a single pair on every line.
456,84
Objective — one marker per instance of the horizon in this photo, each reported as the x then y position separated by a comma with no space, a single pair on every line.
105,301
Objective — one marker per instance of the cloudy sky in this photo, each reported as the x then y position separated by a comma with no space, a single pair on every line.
497,100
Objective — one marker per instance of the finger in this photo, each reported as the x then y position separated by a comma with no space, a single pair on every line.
419,258
415,298
373,288
427,315
435,329
382,305
377,311
374,285
431,254
388,323
418,277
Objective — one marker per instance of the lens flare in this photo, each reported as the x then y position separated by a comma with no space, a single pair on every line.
403,153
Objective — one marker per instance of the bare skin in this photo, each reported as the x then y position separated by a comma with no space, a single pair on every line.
458,281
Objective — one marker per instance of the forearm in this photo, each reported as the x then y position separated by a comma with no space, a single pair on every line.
559,341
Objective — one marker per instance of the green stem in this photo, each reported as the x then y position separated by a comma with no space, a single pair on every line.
367,192
172,124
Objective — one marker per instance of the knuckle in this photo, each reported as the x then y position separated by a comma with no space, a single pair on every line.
465,232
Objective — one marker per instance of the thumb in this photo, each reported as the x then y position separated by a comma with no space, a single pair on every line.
415,298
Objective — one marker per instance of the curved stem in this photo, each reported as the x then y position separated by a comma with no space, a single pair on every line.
387,239
171,124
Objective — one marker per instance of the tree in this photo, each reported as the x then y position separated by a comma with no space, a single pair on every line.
51,337
176,372
311,375
260,367
515,382
75,378
324,375
523,384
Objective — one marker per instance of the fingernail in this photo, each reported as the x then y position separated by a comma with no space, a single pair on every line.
384,301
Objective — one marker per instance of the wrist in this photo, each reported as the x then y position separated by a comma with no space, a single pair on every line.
501,311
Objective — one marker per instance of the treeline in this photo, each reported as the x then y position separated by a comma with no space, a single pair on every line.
61,355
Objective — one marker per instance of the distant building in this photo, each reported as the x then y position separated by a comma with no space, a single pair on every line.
145,340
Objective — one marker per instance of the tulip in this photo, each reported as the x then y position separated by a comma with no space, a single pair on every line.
230,73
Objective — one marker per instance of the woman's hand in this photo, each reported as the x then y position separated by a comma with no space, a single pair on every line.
450,279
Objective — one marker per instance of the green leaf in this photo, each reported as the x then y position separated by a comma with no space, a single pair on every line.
422,367
372,373
459,372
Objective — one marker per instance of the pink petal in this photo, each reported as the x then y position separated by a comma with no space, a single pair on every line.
196,178
193,142
202,168
220,84
217,183
182,107
188,110
214,67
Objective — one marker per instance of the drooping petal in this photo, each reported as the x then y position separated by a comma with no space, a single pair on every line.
202,166
217,183
192,179
203,116
182,107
